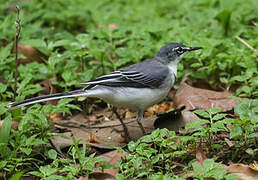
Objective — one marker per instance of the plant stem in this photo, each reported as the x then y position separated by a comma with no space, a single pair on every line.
18,29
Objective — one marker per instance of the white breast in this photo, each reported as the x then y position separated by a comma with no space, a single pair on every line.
129,97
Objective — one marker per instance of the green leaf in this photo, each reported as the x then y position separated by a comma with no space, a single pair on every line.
3,108
17,175
243,89
208,164
47,170
5,130
198,168
236,131
52,154
5,52
224,17
253,135
232,177
36,173
242,110
197,125
202,113
219,116
250,151
214,110
27,151
218,126
34,42
239,78
3,164
3,87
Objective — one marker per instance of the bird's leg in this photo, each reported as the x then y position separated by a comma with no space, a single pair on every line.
139,118
127,136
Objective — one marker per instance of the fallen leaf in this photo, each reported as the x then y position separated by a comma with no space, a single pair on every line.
196,98
112,26
64,143
113,157
98,176
129,115
243,171
55,117
200,155
49,89
229,143
93,139
254,166
158,108
107,132
31,53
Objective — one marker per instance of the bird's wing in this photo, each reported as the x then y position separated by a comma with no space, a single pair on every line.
139,75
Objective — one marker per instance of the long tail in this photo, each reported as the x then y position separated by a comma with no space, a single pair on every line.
38,99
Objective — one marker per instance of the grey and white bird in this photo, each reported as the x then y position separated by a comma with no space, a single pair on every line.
136,87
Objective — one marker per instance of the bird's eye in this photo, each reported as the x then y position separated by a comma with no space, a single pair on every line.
180,50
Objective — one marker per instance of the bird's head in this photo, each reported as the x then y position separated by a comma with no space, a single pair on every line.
174,52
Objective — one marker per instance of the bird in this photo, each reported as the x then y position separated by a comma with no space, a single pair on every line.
135,87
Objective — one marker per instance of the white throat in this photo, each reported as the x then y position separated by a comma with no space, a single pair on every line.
173,65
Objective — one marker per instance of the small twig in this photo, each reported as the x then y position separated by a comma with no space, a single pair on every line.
18,29
75,124
245,43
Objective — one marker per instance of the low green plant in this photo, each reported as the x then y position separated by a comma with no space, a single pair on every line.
81,164
121,33
210,169
241,130
211,122
152,153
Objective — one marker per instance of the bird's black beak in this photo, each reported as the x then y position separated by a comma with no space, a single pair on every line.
194,48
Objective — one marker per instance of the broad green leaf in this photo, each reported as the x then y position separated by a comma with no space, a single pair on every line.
219,116
225,17
27,151
5,52
236,131
52,154
202,113
214,110
5,130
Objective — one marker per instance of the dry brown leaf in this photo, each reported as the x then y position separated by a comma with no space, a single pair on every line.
157,108
196,98
31,53
55,117
93,139
62,143
200,155
108,132
151,110
243,171
223,135
113,157
254,166
129,115
49,89
98,176
112,26
229,143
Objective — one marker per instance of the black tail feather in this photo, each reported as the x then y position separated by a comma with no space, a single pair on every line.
38,99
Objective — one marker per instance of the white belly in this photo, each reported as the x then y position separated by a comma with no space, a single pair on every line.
127,97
